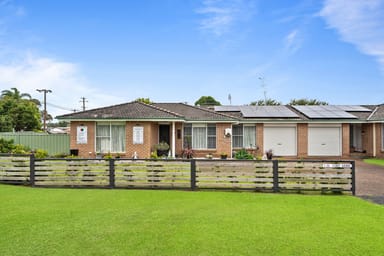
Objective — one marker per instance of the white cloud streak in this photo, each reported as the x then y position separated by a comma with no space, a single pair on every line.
293,41
220,16
359,22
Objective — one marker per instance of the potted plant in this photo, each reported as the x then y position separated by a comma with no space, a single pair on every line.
269,154
162,148
223,155
187,153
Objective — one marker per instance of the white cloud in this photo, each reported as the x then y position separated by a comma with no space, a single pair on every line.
359,22
293,41
63,78
219,16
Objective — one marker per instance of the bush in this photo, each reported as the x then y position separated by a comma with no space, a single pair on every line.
20,149
243,154
41,153
6,146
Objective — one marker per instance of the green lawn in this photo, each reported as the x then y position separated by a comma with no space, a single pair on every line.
375,161
37,221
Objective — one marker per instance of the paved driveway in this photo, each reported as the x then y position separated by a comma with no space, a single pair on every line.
370,182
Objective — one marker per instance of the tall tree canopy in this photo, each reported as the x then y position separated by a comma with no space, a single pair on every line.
268,102
207,101
304,101
18,111
14,93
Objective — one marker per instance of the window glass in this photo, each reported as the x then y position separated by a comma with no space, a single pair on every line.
110,138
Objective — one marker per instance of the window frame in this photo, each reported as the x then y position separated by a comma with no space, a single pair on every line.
242,136
110,137
210,135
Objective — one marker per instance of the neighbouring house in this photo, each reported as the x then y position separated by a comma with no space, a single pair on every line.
133,129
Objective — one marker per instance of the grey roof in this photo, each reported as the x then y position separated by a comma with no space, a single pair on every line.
131,110
193,113
138,110
377,114
183,112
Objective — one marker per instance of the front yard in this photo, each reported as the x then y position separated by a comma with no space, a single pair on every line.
37,221
375,161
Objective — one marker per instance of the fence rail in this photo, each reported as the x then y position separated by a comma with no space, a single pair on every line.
276,176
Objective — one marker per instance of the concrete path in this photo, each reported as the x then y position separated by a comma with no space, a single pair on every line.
370,182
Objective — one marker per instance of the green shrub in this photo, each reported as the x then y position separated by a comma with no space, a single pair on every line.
41,153
243,154
20,149
6,146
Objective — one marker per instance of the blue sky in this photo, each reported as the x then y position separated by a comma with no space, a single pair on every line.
114,51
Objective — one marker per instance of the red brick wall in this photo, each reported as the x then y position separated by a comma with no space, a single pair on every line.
302,140
223,143
346,145
85,150
260,139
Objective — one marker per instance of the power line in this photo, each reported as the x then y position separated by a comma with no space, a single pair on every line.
62,108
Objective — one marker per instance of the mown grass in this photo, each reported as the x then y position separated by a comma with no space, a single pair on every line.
375,161
37,221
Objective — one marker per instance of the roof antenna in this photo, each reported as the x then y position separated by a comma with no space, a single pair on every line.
264,89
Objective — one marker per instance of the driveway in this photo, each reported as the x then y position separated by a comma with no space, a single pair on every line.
370,182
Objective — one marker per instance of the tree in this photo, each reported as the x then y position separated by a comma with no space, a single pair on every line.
144,100
14,93
268,102
18,113
207,101
307,102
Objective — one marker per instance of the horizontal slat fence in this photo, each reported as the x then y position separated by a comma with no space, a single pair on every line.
59,172
152,174
276,176
327,176
15,169
255,175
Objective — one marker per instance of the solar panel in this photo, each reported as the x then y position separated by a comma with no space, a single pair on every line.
353,108
324,111
267,111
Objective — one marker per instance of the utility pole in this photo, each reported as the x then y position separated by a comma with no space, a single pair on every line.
83,100
45,91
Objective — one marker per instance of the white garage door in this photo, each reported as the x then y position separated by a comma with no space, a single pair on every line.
324,141
282,140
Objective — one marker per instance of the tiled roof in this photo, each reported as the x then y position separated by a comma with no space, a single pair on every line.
132,110
184,112
192,113
377,114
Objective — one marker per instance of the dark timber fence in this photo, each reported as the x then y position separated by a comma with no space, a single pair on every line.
274,176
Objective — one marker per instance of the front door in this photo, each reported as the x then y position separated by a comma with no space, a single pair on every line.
164,133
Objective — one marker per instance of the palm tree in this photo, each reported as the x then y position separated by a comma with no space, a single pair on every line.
15,94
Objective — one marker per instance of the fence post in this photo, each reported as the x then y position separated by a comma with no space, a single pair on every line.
193,174
32,170
275,166
111,173
353,180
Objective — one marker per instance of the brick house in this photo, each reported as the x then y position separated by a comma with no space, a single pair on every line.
132,129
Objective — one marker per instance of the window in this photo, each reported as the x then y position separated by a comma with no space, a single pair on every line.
110,137
244,136
200,136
